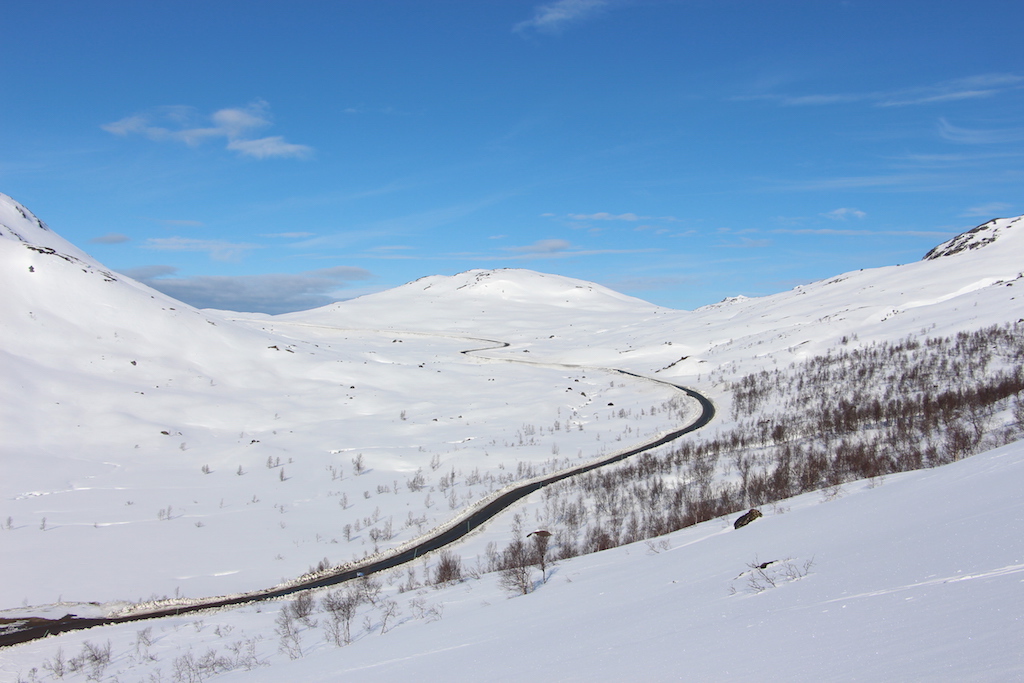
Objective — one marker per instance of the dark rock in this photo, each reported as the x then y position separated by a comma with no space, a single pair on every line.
747,518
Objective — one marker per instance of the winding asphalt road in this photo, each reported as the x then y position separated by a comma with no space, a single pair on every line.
15,631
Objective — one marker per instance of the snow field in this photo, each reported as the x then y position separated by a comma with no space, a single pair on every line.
899,588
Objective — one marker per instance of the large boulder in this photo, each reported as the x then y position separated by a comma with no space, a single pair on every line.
747,518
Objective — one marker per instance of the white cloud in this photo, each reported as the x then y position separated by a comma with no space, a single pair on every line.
219,250
236,125
552,17
844,213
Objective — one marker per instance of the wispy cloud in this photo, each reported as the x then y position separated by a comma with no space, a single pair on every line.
235,125
883,180
290,235
989,210
972,158
974,136
605,216
269,148
554,16
178,223
747,243
219,250
844,213
270,293
973,87
542,247
862,233
111,238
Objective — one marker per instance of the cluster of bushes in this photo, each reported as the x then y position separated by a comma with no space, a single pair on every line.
846,415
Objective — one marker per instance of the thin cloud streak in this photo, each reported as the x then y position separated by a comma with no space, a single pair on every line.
862,233
969,136
990,210
552,17
844,213
219,250
974,87
605,216
542,247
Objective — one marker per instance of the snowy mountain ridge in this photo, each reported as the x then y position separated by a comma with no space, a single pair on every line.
978,237
18,224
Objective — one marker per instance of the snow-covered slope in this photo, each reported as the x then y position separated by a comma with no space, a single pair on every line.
513,304
132,420
916,578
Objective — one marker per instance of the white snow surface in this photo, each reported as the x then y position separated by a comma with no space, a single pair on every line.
117,398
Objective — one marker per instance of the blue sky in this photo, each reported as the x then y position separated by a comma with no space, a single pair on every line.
276,156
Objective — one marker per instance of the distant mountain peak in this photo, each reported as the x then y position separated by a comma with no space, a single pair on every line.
975,238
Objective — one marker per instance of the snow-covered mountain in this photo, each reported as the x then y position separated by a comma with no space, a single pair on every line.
151,449
132,420
967,288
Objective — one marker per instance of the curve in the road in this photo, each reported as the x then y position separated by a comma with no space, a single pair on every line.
16,631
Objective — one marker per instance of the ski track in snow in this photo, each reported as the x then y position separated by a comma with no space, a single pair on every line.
994,573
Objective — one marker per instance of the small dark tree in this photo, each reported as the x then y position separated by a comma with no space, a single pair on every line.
448,568
540,540
515,574
302,608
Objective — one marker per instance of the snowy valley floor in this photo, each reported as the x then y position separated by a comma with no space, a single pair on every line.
914,577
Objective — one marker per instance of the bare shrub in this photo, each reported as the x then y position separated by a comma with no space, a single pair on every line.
762,576
448,568
516,574
57,666
340,607
368,588
301,608
389,611
244,654
93,659
290,641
